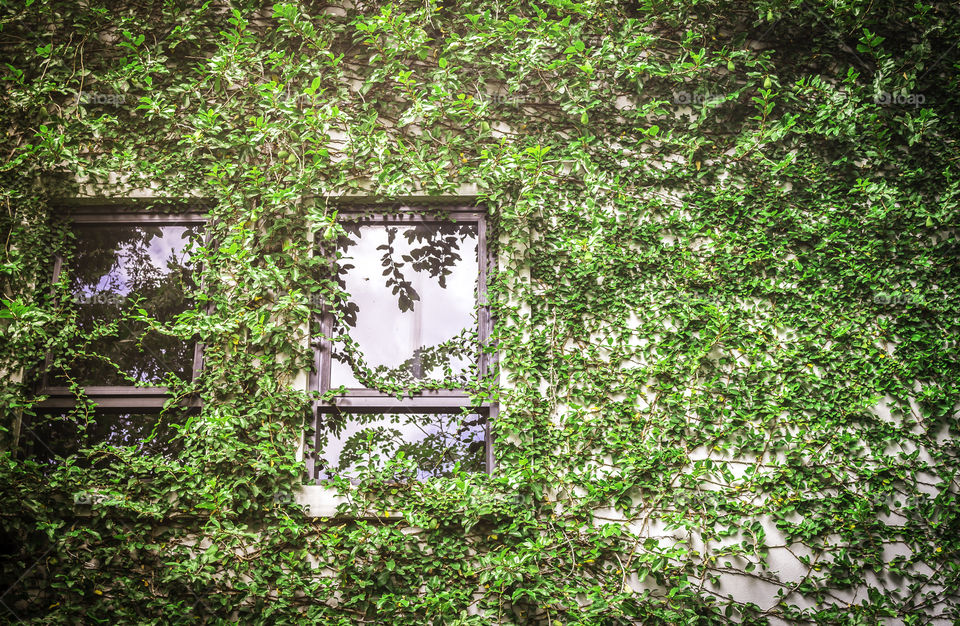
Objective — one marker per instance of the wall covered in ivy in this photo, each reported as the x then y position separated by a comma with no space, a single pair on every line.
726,307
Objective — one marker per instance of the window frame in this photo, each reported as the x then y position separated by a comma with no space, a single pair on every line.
362,400
118,398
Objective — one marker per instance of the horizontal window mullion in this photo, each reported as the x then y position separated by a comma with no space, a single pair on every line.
146,402
112,398
361,392
452,217
109,390
407,405
137,219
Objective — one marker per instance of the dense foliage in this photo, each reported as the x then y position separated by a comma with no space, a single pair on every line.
727,306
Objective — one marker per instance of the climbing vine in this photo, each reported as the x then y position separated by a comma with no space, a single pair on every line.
727,306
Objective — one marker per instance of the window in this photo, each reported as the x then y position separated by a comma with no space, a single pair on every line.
413,323
123,264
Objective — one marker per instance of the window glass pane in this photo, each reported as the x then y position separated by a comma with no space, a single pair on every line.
411,313
435,442
46,438
114,265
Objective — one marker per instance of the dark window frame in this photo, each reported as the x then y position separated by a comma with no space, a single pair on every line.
366,401
118,398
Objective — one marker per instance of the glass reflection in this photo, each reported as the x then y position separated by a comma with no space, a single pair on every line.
435,442
113,265
411,313
48,438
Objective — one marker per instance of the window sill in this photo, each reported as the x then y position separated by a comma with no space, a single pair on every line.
317,501
321,501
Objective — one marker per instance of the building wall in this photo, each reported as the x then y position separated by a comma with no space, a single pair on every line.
724,299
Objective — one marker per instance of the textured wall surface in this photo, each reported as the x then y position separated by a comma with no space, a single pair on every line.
726,309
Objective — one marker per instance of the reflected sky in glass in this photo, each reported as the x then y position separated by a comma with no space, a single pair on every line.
413,290
113,265
135,252
435,441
